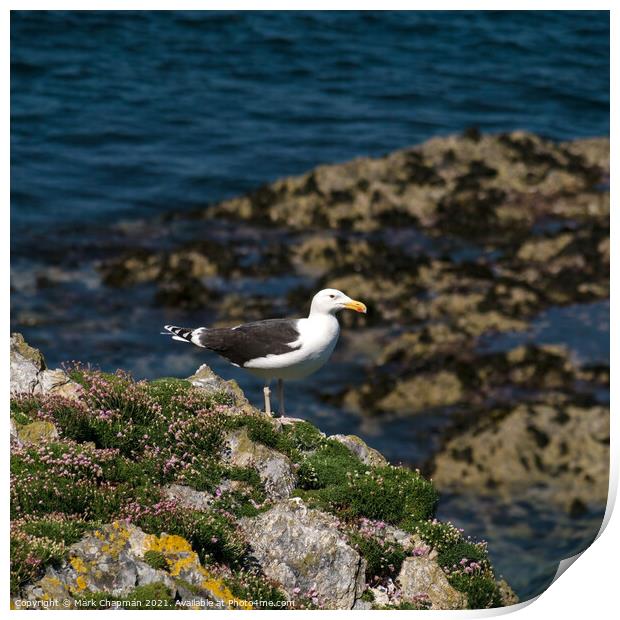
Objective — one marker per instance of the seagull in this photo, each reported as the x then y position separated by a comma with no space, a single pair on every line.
282,349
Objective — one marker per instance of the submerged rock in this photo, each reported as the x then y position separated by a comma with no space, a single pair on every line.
302,548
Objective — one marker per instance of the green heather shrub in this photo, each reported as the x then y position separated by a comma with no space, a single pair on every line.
156,560
481,590
39,542
241,504
303,436
330,465
212,535
62,528
117,412
248,585
384,558
390,494
30,555
24,408
367,596
292,439
466,563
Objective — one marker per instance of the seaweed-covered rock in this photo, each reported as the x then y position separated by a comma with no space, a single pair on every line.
451,183
302,548
561,449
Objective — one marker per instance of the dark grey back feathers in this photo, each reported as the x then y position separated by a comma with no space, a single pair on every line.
245,342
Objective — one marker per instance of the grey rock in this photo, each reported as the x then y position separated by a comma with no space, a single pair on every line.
206,379
275,469
187,497
111,560
302,548
30,375
421,576
381,596
15,440
369,456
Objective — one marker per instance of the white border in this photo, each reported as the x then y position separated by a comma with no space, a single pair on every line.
589,587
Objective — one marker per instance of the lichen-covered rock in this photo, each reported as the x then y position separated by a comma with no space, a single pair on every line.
112,560
366,454
302,548
36,432
30,375
275,469
421,576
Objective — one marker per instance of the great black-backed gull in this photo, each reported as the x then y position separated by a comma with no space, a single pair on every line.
282,349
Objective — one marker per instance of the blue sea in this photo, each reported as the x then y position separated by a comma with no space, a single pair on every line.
124,115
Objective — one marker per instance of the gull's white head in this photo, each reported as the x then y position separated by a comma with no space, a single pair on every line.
330,301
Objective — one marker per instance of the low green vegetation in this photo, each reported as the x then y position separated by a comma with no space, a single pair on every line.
391,494
115,449
383,558
252,587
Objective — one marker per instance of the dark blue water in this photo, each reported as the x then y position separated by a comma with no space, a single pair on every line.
125,114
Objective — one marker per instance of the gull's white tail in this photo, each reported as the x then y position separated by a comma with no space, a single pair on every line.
183,334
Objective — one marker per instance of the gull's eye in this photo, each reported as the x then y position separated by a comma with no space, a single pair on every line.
332,296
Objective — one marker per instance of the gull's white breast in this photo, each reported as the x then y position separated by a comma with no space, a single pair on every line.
318,336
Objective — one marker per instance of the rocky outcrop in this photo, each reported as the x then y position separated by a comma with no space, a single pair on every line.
115,560
30,375
275,469
422,577
303,549
557,450
205,379
195,491
366,454
451,183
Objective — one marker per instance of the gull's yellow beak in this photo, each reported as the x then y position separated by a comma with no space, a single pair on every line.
358,306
